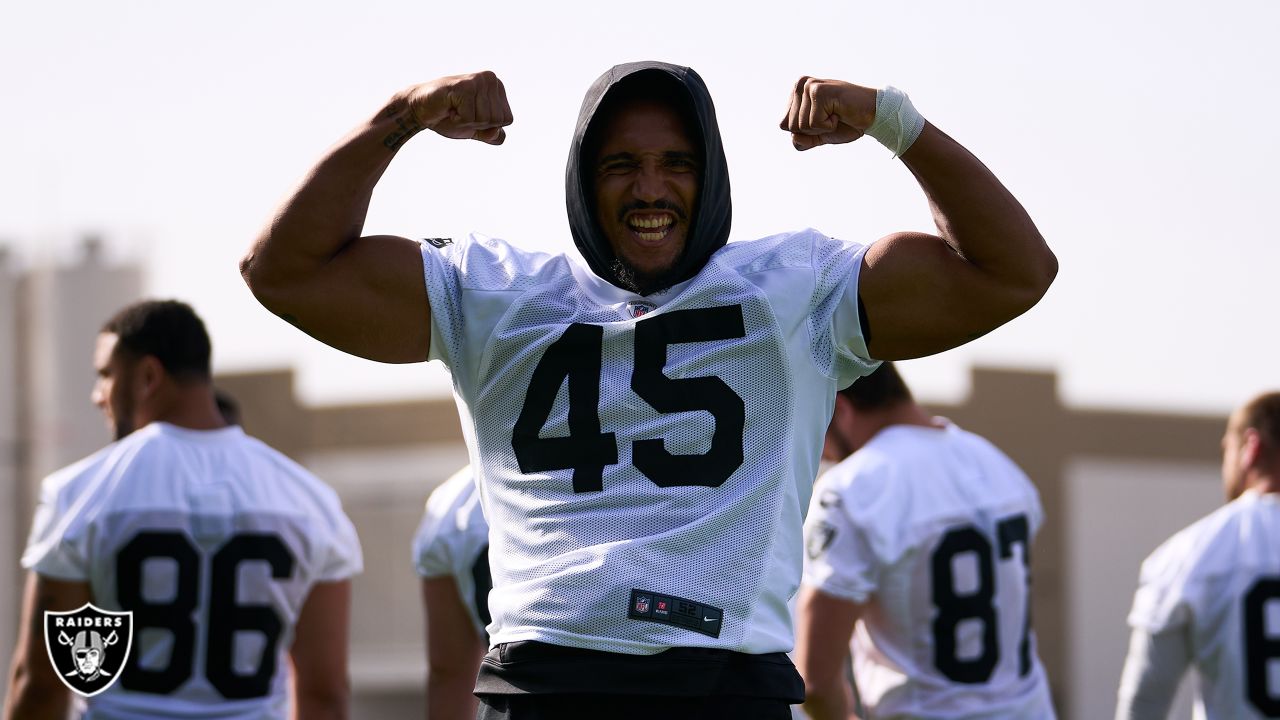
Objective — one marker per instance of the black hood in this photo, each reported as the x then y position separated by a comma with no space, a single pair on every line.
709,225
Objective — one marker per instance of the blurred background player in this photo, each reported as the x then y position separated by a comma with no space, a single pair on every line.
227,552
1210,595
917,549
451,555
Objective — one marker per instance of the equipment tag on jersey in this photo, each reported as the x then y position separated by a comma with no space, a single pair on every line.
671,610
438,242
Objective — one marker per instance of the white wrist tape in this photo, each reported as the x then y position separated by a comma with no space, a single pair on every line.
897,122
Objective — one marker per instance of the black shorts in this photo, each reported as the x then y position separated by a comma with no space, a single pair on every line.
630,707
534,680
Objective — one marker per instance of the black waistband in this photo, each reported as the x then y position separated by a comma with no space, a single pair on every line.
530,667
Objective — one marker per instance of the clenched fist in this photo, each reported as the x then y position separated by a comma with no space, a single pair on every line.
466,107
827,112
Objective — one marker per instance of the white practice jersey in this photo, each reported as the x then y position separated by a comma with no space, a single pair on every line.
645,463
453,541
1218,583
213,540
930,529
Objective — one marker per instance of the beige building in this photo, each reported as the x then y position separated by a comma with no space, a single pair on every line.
1114,483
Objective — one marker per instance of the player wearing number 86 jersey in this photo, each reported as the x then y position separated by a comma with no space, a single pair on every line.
917,562
1209,597
228,554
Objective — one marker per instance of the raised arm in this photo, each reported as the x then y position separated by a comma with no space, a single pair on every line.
365,294
927,293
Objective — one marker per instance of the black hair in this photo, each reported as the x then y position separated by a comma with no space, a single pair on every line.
882,389
168,330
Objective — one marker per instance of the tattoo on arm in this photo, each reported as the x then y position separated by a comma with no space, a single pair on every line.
406,125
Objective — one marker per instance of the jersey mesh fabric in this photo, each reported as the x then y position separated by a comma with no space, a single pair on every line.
1199,583
565,562
201,489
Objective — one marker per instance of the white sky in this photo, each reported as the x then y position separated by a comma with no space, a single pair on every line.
1136,133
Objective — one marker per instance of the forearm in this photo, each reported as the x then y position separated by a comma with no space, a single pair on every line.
450,694
38,701
829,701
322,704
327,210
977,216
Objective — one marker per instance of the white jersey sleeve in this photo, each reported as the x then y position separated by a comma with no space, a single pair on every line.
639,453
178,526
59,543
453,541
841,557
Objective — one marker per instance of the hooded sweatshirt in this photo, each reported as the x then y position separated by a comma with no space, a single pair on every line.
709,225
645,463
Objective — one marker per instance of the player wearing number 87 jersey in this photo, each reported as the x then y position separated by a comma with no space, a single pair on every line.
1209,597
228,554
917,562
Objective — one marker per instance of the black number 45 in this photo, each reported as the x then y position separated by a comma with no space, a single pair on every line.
577,356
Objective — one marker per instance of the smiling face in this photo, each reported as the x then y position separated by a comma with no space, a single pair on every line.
647,176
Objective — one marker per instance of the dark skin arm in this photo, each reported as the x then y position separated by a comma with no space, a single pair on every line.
35,692
365,294
927,293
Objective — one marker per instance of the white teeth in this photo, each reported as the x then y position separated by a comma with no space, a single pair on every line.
660,221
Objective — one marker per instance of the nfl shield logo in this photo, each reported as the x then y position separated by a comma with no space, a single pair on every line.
642,604
639,308
88,647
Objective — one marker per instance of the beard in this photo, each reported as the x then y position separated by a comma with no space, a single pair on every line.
627,277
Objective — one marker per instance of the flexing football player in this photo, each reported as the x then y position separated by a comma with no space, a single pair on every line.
645,423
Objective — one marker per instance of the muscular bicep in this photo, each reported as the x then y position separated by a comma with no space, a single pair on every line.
369,299
921,297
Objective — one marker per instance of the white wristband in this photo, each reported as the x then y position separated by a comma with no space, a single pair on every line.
897,122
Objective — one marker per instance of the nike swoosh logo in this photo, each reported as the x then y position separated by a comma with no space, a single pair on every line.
707,619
